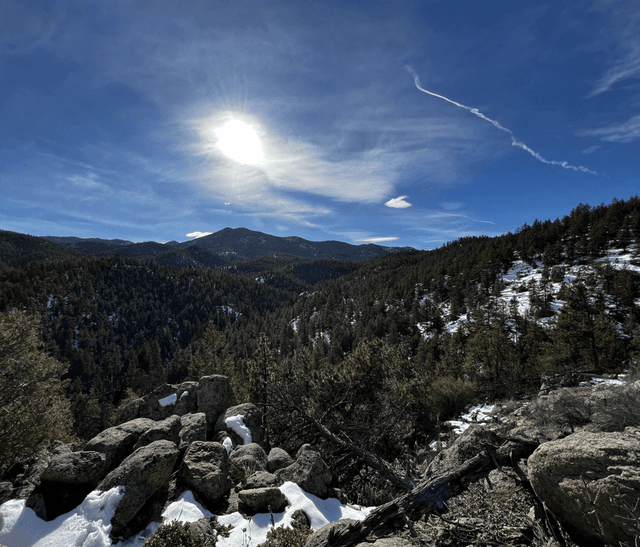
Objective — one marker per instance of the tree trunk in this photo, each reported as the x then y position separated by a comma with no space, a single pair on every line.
429,495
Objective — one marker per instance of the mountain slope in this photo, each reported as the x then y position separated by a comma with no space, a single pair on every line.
228,245
251,244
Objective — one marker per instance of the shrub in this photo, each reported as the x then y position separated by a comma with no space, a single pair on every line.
618,409
176,534
241,471
296,536
449,396
572,408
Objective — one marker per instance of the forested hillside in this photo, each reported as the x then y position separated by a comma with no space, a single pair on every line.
380,350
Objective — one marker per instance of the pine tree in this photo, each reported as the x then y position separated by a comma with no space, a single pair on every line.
211,356
33,409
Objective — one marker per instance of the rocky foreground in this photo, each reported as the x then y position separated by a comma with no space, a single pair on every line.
540,473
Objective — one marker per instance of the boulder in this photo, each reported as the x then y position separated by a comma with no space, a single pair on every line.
25,476
214,396
205,469
66,482
261,479
309,472
116,443
162,402
251,417
85,467
591,481
262,500
167,430
278,459
322,537
194,428
248,458
142,474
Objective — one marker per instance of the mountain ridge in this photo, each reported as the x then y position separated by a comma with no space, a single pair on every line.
231,244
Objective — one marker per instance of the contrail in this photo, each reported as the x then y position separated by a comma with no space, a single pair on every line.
514,141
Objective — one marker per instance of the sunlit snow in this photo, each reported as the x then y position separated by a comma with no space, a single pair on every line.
236,423
89,525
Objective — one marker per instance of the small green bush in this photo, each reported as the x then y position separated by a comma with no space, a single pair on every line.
176,534
296,536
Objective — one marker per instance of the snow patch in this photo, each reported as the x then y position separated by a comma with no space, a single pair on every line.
236,423
481,414
168,400
87,526
228,444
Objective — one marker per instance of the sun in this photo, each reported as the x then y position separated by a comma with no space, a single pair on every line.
239,141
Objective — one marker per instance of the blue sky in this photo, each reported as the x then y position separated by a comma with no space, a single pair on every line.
111,116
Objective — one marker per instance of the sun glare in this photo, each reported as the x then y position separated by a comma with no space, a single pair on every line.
240,142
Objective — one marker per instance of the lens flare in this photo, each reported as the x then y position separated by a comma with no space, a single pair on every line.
239,141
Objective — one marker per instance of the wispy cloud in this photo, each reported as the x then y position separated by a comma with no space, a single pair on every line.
291,167
625,132
398,203
619,40
626,67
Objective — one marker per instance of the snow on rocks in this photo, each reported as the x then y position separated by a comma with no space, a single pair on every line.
236,423
168,400
481,414
88,525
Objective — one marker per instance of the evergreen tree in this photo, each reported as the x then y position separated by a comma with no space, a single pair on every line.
212,355
33,409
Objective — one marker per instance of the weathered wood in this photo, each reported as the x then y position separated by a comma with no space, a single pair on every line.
429,495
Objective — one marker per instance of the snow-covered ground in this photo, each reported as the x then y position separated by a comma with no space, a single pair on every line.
90,523
523,275
481,414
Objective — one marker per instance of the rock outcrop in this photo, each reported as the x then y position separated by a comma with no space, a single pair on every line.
215,395
194,428
142,474
116,443
249,456
167,430
278,459
252,420
205,469
262,500
83,467
309,472
591,481
162,402
212,395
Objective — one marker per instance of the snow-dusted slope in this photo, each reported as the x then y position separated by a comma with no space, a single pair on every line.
520,279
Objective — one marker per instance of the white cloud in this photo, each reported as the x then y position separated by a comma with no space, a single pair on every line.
377,239
198,234
625,132
398,203
591,149
623,69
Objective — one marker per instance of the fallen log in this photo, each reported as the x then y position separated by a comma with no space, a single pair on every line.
428,496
